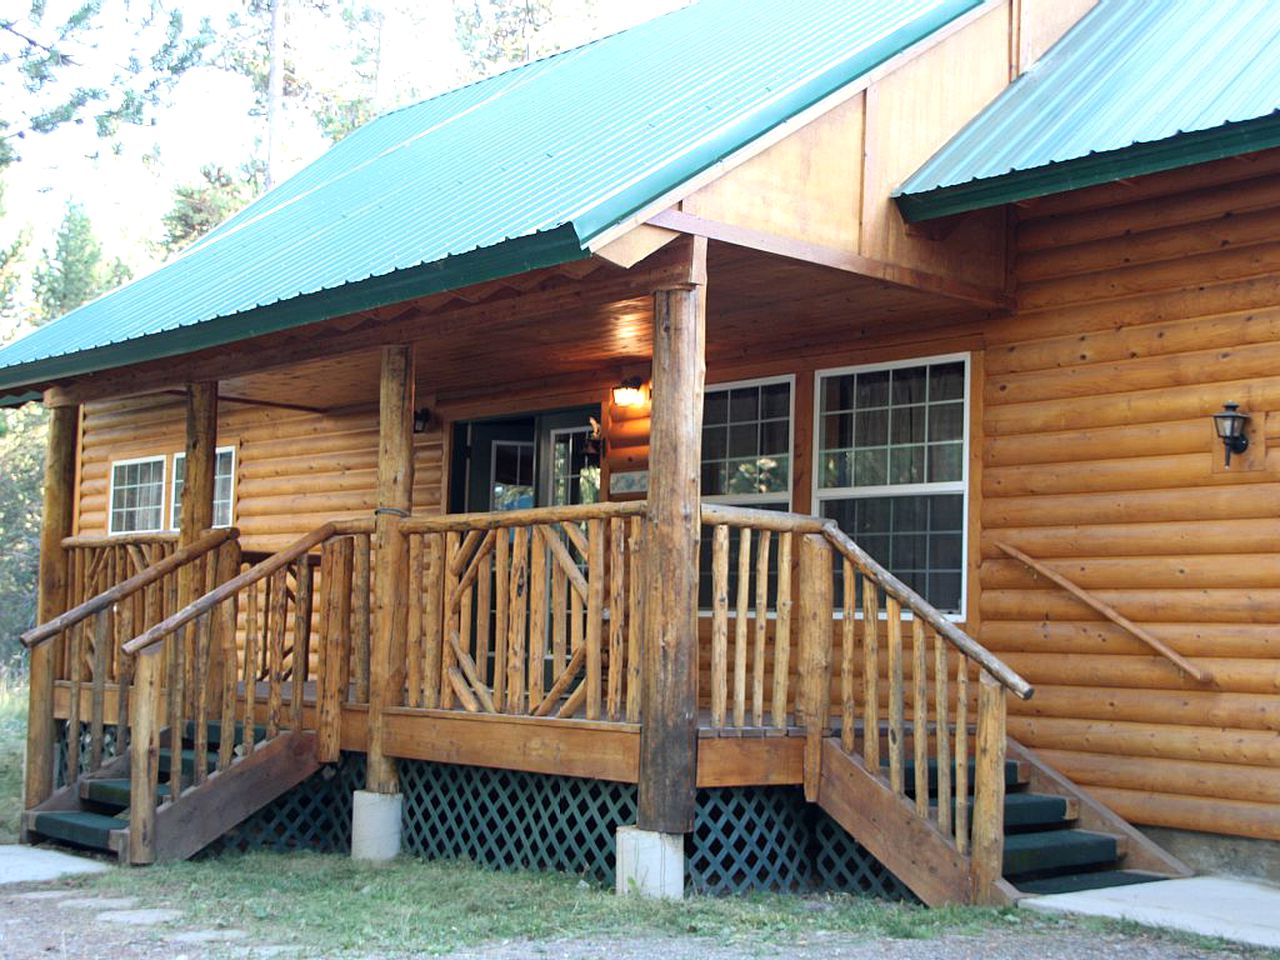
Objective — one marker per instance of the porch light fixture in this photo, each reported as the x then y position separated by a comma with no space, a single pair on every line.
1229,425
421,420
630,393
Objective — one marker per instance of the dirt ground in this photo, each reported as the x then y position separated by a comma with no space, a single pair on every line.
40,922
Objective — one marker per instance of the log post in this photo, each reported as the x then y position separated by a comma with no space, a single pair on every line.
816,617
196,516
387,666
988,792
669,681
59,495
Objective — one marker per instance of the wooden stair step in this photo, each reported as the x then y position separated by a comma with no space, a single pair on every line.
214,733
113,792
188,761
80,827
1015,775
1027,811
1055,851
1091,880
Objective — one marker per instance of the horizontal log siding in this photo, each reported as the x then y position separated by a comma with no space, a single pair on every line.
294,470
1136,321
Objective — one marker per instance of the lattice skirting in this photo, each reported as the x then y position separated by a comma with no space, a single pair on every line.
744,839
61,739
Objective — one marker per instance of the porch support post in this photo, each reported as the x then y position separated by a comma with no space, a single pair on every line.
669,681
201,460
59,497
376,826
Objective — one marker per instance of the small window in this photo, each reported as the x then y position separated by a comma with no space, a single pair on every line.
746,460
892,468
224,472
137,496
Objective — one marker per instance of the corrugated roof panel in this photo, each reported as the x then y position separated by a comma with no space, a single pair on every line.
1134,87
528,165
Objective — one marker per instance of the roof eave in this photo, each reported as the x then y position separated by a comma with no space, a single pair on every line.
547,249
1181,150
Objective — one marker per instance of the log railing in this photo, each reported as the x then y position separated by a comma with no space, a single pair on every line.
1196,673
527,612
119,584
234,656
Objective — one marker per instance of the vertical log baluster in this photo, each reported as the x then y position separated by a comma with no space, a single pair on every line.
617,616
98,702
848,672
124,672
433,614
336,576
595,615
559,614
719,624
635,601
782,633
74,673
502,616
303,603
870,674
920,714
760,655
361,613
200,710
413,643
943,734
228,565
250,668
449,591
277,624
518,601
740,629
962,754
893,628
537,615
484,616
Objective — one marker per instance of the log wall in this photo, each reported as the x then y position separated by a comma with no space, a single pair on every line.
1143,307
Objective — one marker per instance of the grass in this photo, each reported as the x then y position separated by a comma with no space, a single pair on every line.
13,730
334,905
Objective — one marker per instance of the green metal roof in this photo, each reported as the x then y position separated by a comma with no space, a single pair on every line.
515,172
1135,87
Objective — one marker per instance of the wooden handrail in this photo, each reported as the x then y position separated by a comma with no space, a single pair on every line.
921,608
108,598
714,514
120,539
1199,674
213,598
458,522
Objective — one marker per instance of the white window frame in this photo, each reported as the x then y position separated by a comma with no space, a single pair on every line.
821,494
752,499
173,503
111,494
529,445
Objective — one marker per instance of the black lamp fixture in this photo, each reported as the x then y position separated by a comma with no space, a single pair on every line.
1229,425
421,420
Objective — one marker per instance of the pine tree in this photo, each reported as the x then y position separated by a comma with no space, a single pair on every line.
75,272
199,207
497,34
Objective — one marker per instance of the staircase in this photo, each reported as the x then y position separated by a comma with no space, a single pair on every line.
94,811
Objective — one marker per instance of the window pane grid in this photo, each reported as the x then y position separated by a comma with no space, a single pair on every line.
746,440
137,496
223,488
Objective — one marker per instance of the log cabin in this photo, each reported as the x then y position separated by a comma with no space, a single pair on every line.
802,444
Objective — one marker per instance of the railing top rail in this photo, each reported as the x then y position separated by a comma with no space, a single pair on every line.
1199,674
715,514
921,608
453,522
233,586
121,539
209,541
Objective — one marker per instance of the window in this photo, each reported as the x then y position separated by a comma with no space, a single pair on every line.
575,467
746,460
224,472
892,467
137,495
511,476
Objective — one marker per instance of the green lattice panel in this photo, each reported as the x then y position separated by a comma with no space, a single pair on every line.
86,743
747,839
510,819
842,864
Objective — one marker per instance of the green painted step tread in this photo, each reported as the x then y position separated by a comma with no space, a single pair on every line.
1055,851
80,827
214,733
1092,880
1012,775
114,792
188,760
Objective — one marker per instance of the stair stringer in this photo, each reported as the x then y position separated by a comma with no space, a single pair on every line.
915,850
1140,852
228,797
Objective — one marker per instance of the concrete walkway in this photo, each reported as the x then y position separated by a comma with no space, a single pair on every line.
1238,910
21,864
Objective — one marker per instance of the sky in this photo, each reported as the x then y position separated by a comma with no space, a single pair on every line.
126,191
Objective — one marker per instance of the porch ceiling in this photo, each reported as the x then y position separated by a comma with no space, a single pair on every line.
553,329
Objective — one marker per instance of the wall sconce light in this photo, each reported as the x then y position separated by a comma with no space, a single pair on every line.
630,393
1229,426
421,420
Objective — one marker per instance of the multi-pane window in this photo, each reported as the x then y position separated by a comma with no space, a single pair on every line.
746,461
137,495
224,471
575,467
891,468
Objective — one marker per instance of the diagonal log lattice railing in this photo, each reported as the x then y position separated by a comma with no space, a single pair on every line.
526,612
117,585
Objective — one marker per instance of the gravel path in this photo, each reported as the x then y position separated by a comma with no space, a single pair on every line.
43,922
